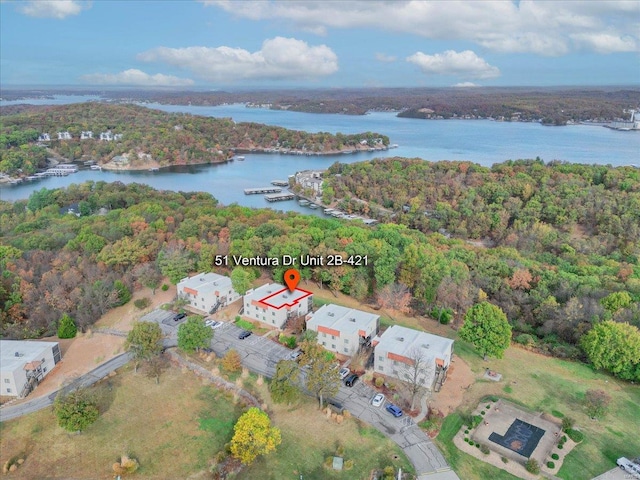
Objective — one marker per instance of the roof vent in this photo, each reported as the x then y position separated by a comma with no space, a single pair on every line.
331,314
425,345
285,296
352,319
401,339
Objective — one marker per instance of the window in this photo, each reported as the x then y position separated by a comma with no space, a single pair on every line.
44,369
273,321
324,335
333,346
324,344
381,358
346,350
202,298
381,368
6,380
8,390
346,340
333,337
273,314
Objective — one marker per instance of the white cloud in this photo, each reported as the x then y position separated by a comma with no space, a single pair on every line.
382,57
137,78
279,58
462,64
533,26
465,85
53,8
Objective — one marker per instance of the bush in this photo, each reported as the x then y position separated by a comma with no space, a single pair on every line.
532,466
488,407
67,327
164,287
555,456
551,465
466,439
485,449
466,431
475,420
563,439
287,340
477,445
575,435
142,303
567,423
560,447
244,324
379,382
482,412
504,459
231,362
124,294
526,339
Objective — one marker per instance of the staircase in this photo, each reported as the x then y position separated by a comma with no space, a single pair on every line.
441,376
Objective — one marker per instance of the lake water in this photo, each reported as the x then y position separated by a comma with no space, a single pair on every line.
482,141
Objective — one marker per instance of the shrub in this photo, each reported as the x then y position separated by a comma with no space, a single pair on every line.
244,324
560,447
504,459
567,423
484,449
466,431
555,456
551,465
532,466
231,362
67,327
482,412
526,339
123,292
477,445
142,303
575,435
164,287
563,439
488,407
379,382
466,439
493,398
475,420
287,340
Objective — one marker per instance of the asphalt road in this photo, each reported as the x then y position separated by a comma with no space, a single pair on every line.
261,355
14,411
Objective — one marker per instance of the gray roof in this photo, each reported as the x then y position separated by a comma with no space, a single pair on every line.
343,319
206,282
276,295
28,351
402,340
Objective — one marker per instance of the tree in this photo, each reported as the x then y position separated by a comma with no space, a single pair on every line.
487,328
124,294
149,276
144,341
194,334
155,366
616,301
241,280
67,327
596,403
615,347
416,373
76,410
283,387
253,436
394,296
175,262
231,361
322,377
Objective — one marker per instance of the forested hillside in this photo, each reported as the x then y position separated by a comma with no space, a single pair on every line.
170,138
57,263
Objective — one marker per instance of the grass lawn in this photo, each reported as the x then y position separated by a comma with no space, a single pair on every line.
557,387
466,466
308,438
173,429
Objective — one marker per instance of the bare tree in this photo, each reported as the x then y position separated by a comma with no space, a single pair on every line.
416,373
395,296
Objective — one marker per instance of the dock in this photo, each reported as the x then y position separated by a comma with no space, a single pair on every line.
279,197
256,191
280,183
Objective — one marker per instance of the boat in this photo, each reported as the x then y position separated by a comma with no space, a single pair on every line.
328,211
154,169
313,206
303,202
95,167
393,145
239,157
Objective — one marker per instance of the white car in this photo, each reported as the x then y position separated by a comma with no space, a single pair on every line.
629,466
213,323
344,373
377,400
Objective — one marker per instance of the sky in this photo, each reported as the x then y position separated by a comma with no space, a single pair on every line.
226,44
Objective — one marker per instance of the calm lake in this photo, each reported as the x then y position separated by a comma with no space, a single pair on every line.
482,141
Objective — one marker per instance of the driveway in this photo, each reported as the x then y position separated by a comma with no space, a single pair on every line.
261,355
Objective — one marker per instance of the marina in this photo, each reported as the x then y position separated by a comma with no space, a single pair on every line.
257,191
280,183
279,197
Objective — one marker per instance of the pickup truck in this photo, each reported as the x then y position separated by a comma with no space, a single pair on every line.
629,466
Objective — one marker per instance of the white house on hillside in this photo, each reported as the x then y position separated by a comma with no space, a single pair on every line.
398,348
64,136
23,365
207,292
273,304
341,329
86,135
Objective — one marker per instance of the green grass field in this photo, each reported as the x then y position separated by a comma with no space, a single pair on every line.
558,387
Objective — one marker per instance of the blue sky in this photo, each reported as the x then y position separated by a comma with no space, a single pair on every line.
222,44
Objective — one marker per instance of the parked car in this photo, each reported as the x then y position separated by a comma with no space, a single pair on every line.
216,325
351,380
212,323
244,334
344,373
377,400
179,316
629,466
394,410
295,355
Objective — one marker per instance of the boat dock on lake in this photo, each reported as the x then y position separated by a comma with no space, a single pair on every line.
256,191
280,183
279,197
